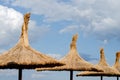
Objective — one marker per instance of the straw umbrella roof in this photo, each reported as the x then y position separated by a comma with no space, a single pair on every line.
117,63
22,55
72,60
107,70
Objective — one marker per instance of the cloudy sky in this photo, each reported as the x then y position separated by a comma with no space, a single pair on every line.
52,25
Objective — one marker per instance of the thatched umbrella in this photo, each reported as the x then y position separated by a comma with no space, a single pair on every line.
107,70
73,61
117,63
22,56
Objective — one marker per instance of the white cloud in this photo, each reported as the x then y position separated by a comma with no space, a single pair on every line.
53,10
100,17
105,25
35,32
6,1
10,27
56,56
10,21
40,74
8,72
105,41
71,28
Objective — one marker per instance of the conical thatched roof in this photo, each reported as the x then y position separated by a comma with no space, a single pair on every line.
117,63
107,70
23,56
72,60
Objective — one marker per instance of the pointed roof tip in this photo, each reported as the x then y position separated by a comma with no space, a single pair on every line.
24,31
117,59
26,18
102,60
27,15
118,54
75,36
117,63
74,40
102,50
102,56
25,23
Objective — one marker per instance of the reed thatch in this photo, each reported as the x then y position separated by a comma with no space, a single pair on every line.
22,55
117,63
107,70
73,61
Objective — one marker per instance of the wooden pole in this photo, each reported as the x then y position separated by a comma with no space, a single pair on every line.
117,78
20,74
71,75
101,77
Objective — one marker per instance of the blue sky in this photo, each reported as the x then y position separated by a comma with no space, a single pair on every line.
52,25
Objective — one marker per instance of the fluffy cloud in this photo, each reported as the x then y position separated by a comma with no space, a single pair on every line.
8,73
11,22
88,57
71,28
53,10
38,75
99,17
56,56
35,31
105,42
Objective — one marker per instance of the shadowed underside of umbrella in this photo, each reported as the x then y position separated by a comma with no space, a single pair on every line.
107,70
22,56
72,61
92,73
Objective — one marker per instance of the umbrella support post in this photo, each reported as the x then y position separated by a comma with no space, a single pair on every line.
20,74
71,75
117,78
101,77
